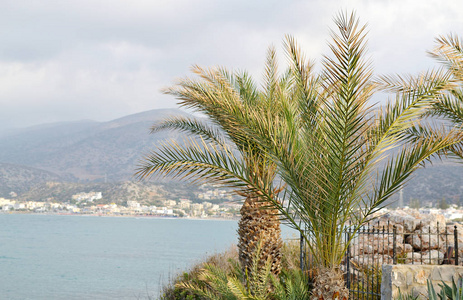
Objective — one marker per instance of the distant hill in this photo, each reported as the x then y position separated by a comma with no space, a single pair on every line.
86,150
119,193
19,179
437,181
83,155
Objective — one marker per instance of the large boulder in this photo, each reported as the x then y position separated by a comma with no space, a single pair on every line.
432,221
361,261
400,218
432,257
376,244
424,241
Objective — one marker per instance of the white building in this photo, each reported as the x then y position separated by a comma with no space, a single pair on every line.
170,203
133,204
184,203
90,197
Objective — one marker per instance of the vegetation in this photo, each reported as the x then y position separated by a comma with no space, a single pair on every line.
407,296
225,99
330,146
340,157
220,277
454,292
449,51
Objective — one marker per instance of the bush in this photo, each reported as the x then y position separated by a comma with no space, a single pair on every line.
225,261
220,277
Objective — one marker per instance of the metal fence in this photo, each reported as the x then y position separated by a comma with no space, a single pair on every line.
377,243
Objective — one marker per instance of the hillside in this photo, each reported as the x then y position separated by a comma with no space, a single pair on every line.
53,161
86,150
437,181
119,193
19,179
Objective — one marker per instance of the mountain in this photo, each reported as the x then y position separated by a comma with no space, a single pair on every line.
86,150
144,192
437,181
19,179
82,155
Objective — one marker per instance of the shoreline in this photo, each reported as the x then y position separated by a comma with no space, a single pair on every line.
119,216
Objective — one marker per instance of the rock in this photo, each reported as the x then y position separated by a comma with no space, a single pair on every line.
431,229
433,220
408,222
384,224
451,228
365,260
408,248
376,244
422,241
421,238
411,257
432,257
421,277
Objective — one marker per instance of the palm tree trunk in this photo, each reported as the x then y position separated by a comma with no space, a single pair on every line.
259,224
329,285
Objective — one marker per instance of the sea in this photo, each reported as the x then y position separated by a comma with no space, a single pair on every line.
90,257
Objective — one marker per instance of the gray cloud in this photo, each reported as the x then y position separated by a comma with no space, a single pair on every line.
89,59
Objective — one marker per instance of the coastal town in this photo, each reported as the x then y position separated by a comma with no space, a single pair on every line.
87,204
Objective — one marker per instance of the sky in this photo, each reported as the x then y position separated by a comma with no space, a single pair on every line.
103,59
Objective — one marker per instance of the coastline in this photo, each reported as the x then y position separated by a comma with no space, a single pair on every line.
118,216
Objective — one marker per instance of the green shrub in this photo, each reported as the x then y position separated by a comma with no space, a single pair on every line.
407,296
220,277
454,292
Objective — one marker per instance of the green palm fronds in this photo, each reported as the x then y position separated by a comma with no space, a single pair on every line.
328,145
449,106
220,150
340,157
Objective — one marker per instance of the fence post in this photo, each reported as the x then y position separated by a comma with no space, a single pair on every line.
394,245
455,234
348,261
302,252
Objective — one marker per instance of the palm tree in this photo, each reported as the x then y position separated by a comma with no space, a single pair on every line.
224,98
449,51
334,149
326,141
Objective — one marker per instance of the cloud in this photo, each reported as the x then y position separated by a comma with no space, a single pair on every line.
102,59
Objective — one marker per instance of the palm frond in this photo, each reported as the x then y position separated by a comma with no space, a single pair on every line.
192,126
449,106
195,160
449,52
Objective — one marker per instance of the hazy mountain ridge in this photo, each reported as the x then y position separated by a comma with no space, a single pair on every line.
431,184
19,179
87,150
119,193
82,155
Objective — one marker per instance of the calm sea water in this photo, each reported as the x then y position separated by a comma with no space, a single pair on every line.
79,257
86,257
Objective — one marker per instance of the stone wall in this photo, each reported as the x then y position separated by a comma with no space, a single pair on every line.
412,279
420,239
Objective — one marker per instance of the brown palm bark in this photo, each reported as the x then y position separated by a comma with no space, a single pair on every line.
259,223
329,285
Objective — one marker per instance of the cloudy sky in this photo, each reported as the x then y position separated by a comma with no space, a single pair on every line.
103,59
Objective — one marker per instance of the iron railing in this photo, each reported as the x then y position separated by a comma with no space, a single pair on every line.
376,244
